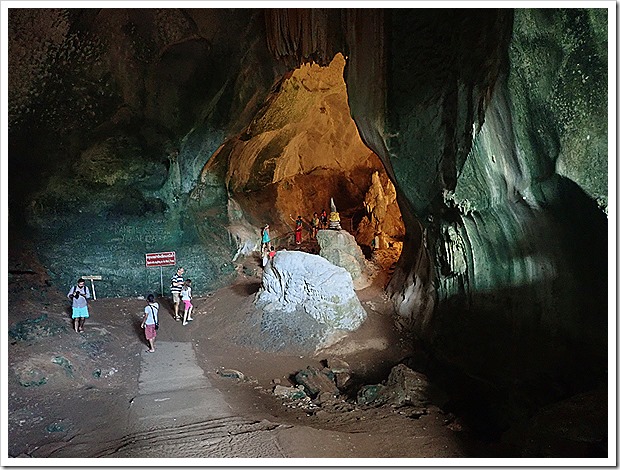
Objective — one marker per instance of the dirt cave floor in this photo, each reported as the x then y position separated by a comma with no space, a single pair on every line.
101,394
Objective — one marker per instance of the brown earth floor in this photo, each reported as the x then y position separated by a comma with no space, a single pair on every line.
66,388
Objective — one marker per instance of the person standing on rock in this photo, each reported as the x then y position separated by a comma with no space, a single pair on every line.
78,295
298,228
176,285
315,225
323,219
265,240
150,321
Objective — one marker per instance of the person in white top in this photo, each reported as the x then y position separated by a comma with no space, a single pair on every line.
186,297
150,321
78,295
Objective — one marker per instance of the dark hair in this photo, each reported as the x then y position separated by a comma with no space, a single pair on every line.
150,298
81,280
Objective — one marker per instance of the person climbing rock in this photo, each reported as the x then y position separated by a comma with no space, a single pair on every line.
265,239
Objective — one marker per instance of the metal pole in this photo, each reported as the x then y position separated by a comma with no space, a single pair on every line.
92,284
161,278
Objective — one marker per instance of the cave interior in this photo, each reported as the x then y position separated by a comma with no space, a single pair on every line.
475,145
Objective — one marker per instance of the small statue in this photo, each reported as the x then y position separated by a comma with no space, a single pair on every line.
334,217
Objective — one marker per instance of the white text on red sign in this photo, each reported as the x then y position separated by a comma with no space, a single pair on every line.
167,258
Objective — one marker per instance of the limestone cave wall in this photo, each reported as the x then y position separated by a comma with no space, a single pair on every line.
299,151
113,114
487,119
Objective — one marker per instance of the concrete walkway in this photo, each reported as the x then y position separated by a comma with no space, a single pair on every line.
178,413
172,388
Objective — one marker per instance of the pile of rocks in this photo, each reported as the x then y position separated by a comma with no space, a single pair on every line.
405,390
315,387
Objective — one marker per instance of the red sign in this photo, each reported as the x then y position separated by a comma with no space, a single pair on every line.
167,258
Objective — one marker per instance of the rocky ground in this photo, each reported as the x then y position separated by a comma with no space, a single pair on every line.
203,394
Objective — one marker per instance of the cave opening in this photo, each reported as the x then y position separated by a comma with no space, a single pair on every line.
300,151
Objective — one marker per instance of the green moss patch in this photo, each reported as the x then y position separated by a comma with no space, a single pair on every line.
34,328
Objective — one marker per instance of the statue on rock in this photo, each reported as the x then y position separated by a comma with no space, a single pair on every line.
334,217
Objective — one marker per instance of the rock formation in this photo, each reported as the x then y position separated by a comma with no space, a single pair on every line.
300,281
383,219
340,248
504,265
300,146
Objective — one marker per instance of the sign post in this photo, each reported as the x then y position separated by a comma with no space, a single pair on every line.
92,283
166,258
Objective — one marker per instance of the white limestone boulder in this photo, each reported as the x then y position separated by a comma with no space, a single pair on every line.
295,281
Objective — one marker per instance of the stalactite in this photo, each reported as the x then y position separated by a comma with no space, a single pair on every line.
298,35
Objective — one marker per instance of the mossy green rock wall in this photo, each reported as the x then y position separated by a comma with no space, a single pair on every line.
529,210
561,117
114,114
494,130
531,203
